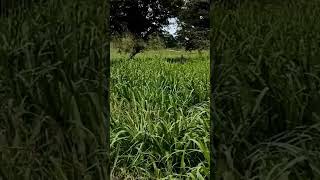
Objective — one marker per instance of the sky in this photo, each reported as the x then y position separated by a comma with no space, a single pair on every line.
172,28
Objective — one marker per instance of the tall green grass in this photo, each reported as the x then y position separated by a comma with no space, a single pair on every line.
52,114
266,90
160,115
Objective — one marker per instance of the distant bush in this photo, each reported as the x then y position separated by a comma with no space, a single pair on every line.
126,43
123,43
155,42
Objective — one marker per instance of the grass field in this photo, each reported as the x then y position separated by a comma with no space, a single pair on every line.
160,115
265,87
266,90
51,108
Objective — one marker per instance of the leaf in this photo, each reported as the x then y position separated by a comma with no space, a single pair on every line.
259,99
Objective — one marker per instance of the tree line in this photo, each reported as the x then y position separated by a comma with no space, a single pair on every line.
145,18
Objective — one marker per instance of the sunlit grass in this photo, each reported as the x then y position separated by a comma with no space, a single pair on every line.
160,115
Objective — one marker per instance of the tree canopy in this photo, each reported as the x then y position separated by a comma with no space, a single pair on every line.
194,24
142,18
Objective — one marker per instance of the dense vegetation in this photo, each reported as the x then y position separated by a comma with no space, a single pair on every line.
160,115
194,25
265,99
52,84
144,19
265,88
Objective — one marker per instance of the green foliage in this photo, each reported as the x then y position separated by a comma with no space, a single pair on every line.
8,7
124,43
266,95
194,25
160,116
155,43
142,18
170,41
52,120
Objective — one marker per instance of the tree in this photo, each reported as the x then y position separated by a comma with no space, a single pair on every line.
141,18
194,24
169,40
